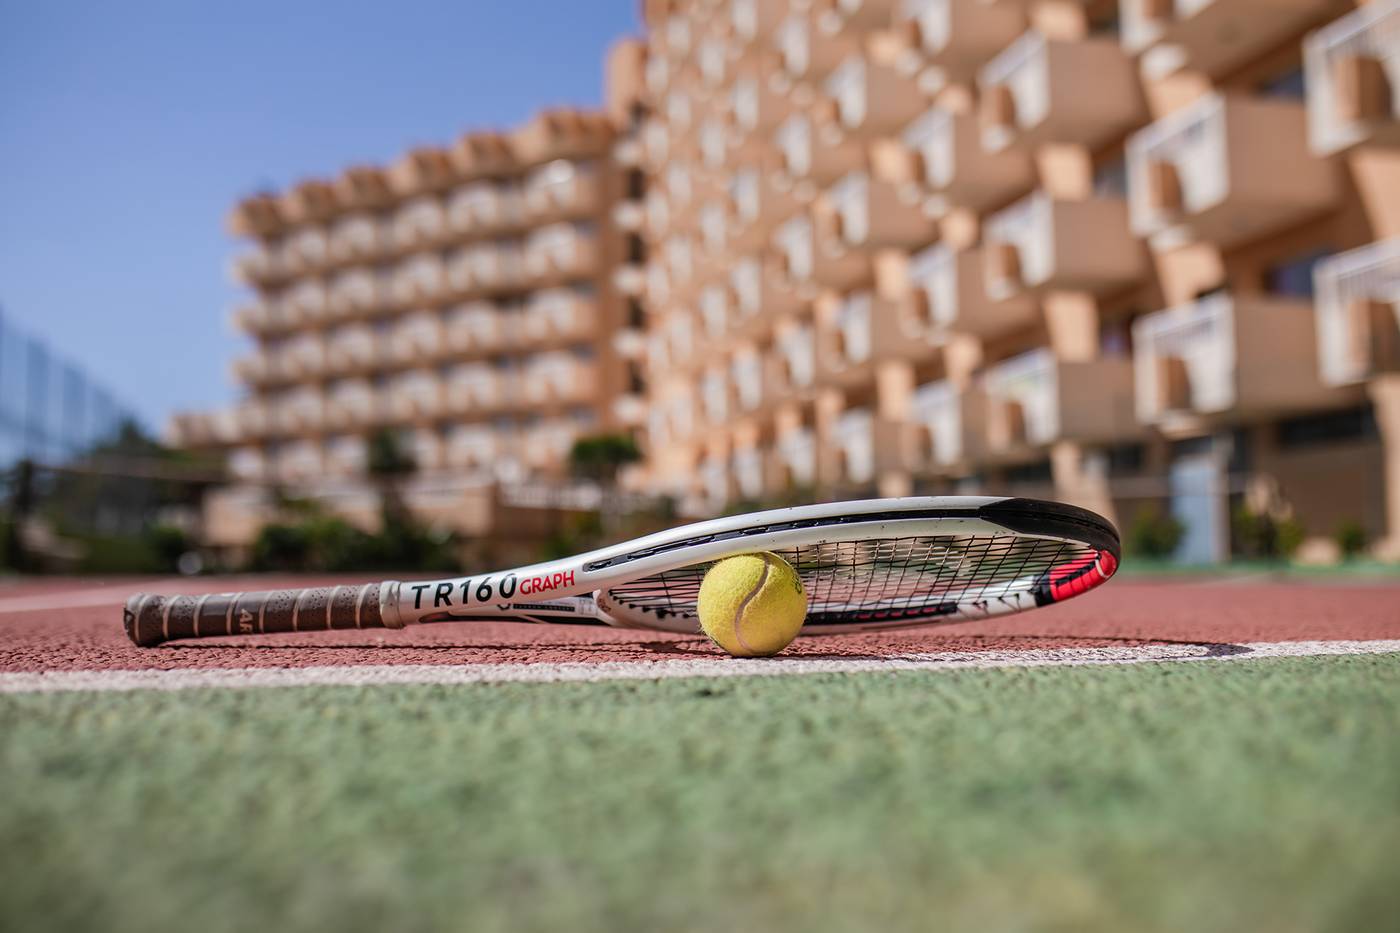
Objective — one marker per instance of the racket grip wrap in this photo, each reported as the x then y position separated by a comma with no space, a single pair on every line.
151,619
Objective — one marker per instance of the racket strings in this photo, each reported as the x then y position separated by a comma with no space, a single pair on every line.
909,576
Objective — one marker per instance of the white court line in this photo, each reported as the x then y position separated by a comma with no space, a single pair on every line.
374,675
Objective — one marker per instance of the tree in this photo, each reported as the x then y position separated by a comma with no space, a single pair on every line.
601,458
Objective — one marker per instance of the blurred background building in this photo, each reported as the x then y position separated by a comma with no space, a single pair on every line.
461,299
1140,255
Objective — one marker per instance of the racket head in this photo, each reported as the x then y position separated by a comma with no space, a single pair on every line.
890,563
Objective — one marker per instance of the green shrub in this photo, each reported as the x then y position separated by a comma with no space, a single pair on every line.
1154,534
1351,539
1260,535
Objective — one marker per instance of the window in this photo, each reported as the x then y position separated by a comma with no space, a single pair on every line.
636,184
1037,472
636,314
1293,276
1111,178
636,249
1327,428
1290,84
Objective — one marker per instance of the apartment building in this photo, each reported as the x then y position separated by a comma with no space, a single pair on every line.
1127,254
462,297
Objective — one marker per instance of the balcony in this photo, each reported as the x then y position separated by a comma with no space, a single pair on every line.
947,166
758,206
793,370
755,108
258,369
303,304
260,317
868,213
557,315
483,207
859,446
416,396
947,292
252,419
716,403
258,266
746,467
484,268
1041,244
563,189
354,293
420,223
419,336
746,374
561,252
1043,90
804,160
1353,80
714,313
1220,355
558,377
204,429
355,238
300,411
837,263
298,461
418,279
836,15
944,428
471,446
795,458
866,100
754,20
351,404
1226,169
1034,400
303,357
475,388
956,37
1358,313
305,251
354,348
858,331
1211,36
346,457
810,53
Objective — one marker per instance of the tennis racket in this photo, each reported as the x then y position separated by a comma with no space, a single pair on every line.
877,563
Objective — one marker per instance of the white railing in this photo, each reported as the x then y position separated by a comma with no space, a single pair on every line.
1373,31
714,309
797,451
1025,225
1023,68
935,271
355,290
794,141
931,136
714,396
796,346
794,44
853,322
355,237
794,240
1193,141
747,466
1030,381
419,221
937,408
746,278
746,372
847,86
850,197
1370,273
1201,335
854,436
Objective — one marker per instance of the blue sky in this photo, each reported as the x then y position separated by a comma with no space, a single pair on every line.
128,129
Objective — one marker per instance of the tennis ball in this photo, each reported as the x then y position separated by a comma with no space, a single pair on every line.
752,605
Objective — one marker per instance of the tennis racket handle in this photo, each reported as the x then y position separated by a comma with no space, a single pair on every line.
152,620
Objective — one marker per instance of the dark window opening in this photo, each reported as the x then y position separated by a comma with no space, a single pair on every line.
636,249
1293,276
1037,472
636,184
636,314
1125,459
1290,85
1330,427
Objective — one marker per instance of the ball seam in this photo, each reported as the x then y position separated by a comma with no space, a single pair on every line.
748,598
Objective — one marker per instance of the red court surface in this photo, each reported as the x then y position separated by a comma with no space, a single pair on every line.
73,625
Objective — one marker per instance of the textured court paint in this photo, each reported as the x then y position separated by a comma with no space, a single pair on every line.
372,675
1122,613
1153,798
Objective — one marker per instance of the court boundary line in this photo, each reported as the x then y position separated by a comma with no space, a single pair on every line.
370,675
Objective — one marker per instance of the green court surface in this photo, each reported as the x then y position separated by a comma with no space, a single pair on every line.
1255,795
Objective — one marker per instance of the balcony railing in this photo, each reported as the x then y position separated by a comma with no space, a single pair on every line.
796,458
949,168
476,388
852,442
794,363
1221,355
1054,90
416,395
1358,313
1042,243
556,315
355,292
804,158
419,223
1353,79
1210,36
1226,169
563,188
560,252
418,279
1034,400
305,251
257,266
869,213
304,303
870,100
352,348
958,36
351,403
356,238
808,52
859,330
947,291
483,207
420,336
943,421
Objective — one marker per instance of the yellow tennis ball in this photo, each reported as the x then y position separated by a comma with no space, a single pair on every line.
752,605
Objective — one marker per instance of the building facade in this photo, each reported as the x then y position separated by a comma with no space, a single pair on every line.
1137,255
462,297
